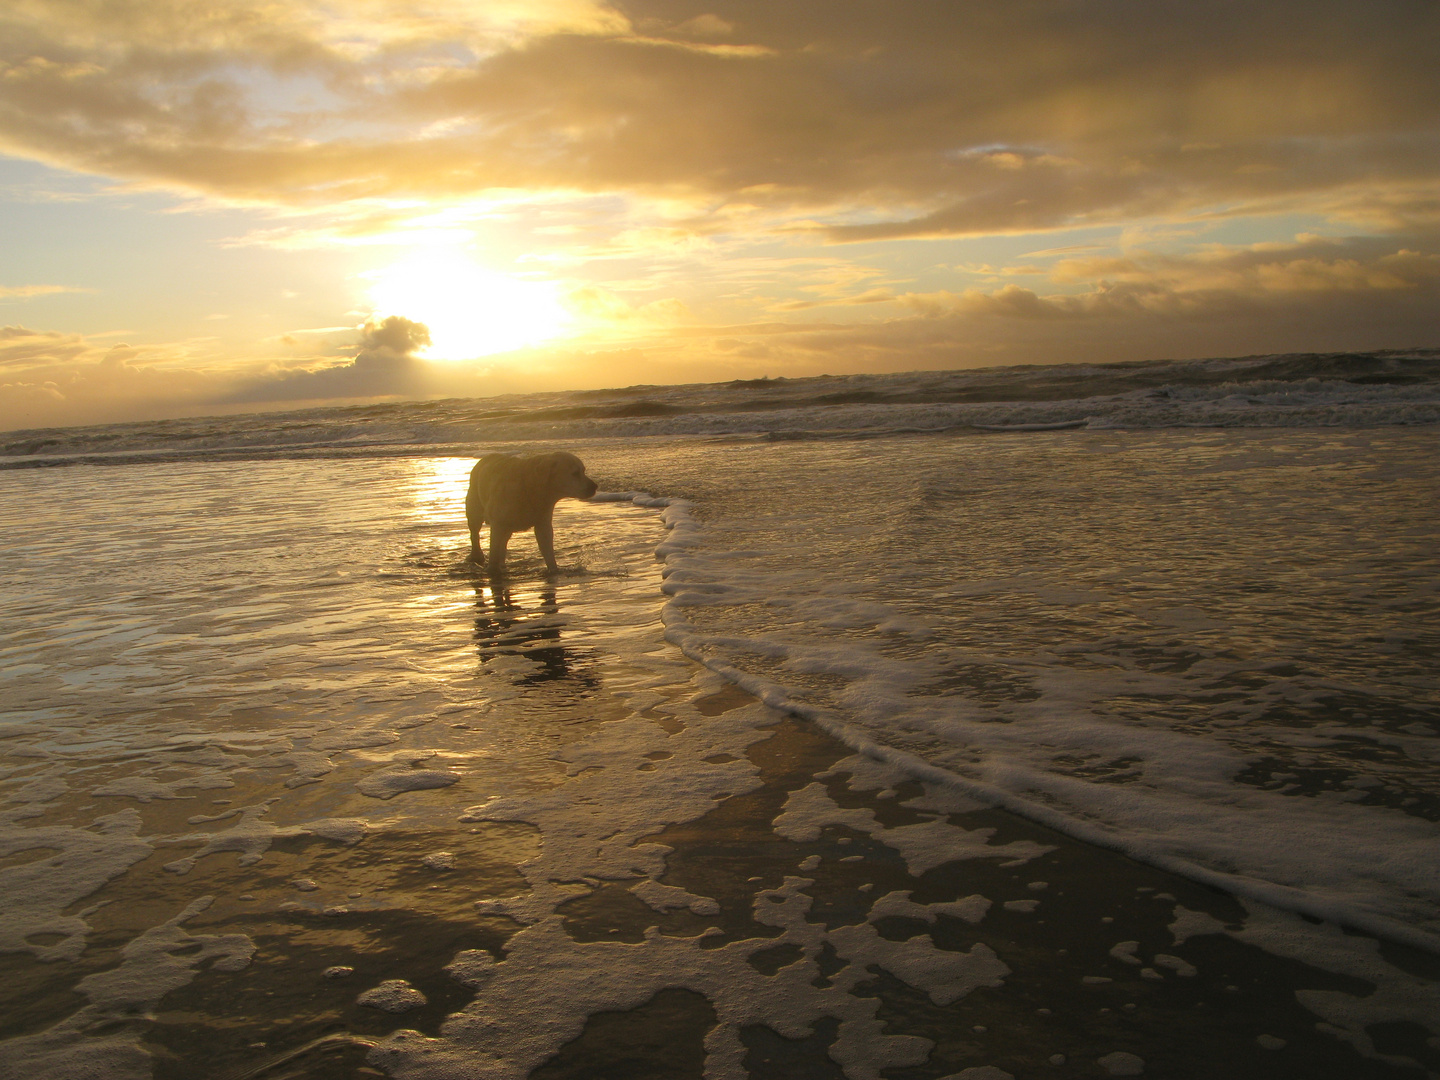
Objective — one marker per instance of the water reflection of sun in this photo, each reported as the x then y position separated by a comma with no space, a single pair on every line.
469,310
438,494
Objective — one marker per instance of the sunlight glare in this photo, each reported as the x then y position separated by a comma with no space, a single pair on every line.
438,488
470,311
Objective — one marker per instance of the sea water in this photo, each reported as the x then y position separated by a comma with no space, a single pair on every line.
1181,612
1212,650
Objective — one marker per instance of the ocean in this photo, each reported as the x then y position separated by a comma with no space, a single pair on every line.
1167,629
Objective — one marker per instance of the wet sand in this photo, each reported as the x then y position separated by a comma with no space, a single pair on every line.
1205,1006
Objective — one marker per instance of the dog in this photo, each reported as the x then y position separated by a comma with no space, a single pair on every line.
516,494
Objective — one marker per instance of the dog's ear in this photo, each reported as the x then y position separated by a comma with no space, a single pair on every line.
551,471
538,469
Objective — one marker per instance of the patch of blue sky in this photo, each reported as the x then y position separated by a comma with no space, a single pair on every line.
1243,229
1023,150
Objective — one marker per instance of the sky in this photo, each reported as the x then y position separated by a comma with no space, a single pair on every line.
212,207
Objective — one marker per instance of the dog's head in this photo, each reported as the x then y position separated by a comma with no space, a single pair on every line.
567,477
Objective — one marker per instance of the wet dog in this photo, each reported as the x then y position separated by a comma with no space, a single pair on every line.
515,494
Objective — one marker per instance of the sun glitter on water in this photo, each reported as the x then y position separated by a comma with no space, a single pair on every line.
469,310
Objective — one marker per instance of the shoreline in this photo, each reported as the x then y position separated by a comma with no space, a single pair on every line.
684,536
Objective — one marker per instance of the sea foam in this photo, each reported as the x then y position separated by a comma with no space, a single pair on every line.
1219,739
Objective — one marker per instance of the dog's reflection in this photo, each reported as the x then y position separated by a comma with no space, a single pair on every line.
530,628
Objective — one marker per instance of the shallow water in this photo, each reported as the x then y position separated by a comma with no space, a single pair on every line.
218,675
256,603
261,721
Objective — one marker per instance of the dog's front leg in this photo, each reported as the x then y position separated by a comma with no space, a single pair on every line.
499,538
545,538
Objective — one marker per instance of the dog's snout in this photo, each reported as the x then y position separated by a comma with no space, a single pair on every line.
594,487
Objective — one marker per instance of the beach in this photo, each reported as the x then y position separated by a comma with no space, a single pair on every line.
989,627
914,755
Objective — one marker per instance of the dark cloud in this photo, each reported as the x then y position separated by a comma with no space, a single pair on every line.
941,118
48,378
1218,284
384,366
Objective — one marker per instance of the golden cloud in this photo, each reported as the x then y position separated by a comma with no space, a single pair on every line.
25,292
942,119
1213,283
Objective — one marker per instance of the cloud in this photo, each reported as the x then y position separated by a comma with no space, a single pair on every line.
596,303
1214,283
25,292
384,366
49,379
919,118
21,348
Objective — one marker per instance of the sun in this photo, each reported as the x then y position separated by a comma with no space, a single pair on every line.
469,310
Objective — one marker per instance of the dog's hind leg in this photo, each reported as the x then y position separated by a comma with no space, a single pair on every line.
474,518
